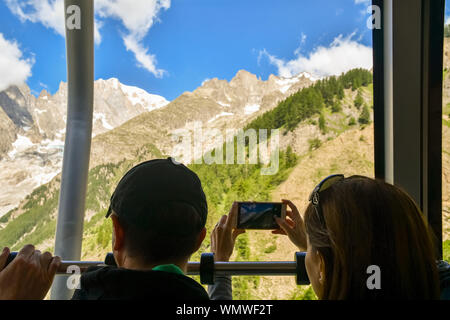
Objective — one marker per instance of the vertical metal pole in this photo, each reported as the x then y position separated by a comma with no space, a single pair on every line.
379,94
388,78
383,93
412,71
79,17
407,96
433,35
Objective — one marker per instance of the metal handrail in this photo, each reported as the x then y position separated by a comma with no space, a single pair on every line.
207,268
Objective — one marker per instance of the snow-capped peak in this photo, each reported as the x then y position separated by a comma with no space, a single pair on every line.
286,83
139,96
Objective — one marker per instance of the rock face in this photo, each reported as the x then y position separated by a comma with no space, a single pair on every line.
245,94
33,131
7,132
216,105
42,118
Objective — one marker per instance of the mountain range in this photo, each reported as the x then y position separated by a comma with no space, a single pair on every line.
33,129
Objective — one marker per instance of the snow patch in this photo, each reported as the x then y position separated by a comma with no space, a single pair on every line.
142,97
102,118
251,108
60,133
307,76
286,83
4,210
222,114
52,144
44,178
115,83
21,144
223,104
39,111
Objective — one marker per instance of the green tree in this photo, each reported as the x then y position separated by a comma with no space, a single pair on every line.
447,31
336,107
310,101
352,121
314,144
356,83
291,158
322,124
359,100
364,117
340,91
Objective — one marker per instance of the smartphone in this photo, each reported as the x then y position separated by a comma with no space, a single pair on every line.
260,215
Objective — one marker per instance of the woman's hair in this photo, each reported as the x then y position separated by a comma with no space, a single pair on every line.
369,222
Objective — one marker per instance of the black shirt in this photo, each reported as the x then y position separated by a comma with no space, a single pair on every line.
112,283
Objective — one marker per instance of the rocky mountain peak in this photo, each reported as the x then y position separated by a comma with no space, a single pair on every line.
62,86
44,95
212,83
272,78
243,76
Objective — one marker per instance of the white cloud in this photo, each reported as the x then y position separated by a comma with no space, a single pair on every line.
48,12
340,56
302,42
97,35
137,19
366,2
303,38
145,60
137,16
11,59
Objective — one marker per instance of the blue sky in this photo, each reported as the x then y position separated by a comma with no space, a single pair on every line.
175,45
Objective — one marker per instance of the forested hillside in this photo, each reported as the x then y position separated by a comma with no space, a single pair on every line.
324,94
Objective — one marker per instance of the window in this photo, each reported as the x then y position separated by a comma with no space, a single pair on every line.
182,81
446,142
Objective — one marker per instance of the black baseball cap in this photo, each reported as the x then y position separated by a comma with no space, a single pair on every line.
154,183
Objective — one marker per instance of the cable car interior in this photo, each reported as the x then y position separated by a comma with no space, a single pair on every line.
391,123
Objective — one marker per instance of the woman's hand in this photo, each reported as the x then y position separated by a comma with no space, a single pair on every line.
224,236
293,226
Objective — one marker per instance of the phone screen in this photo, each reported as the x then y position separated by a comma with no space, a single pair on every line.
258,215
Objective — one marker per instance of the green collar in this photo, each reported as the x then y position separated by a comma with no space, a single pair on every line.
169,268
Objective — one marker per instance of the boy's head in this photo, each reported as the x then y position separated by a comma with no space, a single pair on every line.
159,213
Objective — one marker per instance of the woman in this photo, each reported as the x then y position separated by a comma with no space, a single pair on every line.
353,224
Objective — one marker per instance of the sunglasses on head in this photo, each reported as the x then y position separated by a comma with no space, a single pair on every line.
326,183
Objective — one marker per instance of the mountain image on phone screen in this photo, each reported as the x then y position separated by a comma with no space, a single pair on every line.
258,215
